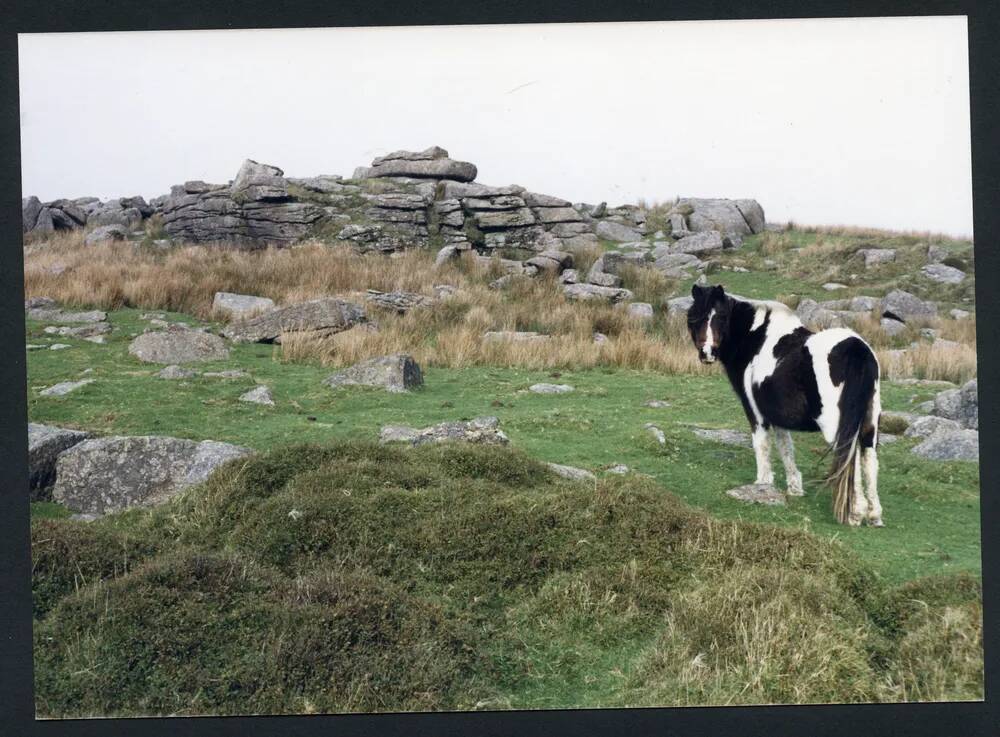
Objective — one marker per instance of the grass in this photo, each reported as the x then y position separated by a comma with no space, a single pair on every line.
354,577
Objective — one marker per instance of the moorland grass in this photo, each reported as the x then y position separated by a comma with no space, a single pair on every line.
354,577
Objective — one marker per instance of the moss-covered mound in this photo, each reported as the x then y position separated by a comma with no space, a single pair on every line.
356,577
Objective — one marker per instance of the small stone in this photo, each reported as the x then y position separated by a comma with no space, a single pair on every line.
765,494
620,469
395,373
833,286
600,338
569,472
228,374
958,314
640,311
59,346
657,404
258,395
550,388
725,436
656,432
176,372
877,256
943,274
64,388
516,336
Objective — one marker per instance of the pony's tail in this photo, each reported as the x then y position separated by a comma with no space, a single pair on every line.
855,412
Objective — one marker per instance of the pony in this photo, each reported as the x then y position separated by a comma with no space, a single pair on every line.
791,378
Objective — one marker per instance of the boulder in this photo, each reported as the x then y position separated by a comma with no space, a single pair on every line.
104,233
877,256
258,182
258,395
960,405
950,445
479,430
593,291
737,217
907,305
571,473
613,231
678,306
429,163
926,425
640,311
943,274
703,242
31,208
892,327
394,373
318,317
45,443
936,254
103,475
957,314
815,317
240,306
178,345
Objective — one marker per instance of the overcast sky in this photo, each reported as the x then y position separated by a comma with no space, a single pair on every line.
857,121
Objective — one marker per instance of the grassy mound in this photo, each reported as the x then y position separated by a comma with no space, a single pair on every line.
356,577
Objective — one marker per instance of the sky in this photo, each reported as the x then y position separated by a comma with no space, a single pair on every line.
841,121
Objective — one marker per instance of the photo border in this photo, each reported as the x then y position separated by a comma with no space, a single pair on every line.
16,675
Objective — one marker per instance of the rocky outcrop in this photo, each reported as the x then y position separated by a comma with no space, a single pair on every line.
45,443
318,318
395,373
430,163
177,345
103,475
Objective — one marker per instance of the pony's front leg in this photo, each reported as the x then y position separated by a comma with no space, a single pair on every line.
762,452
793,479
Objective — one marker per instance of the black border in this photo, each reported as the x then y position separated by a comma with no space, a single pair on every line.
16,696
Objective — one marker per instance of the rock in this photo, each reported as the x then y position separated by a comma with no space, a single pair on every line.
31,208
569,276
240,306
656,404
103,475
65,387
43,314
758,494
600,338
619,469
39,302
885,438
640,311
445,255
943,274
550,388
394,373
727,437
738,217
45,443
892,327
613,231
877,256
833,286
677,265
82,331
175,372
957,314
936,254
925,426
178,345
258,395
515,336
679,306
703,242
479,430
61,346
656,432
319,318
954,445
399,302
259,182
961,405
571,473
907,306
599,277
104,233
502,283
432,162
896,422
816,317
592,291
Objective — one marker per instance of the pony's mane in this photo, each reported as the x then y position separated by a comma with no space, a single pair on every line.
773,305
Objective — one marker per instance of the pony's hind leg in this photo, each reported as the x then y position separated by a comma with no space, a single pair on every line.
762,452
793,479
859,502
869,462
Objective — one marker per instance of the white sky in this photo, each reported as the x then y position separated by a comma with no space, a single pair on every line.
855,121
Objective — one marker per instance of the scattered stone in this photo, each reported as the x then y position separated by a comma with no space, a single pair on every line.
550,388
445,255
907,305
957,314
399,302
569,276
816,317
936,254
318,317
954,445
679,305
877,256
704,242
833,286
178,345
515,336
656,432
885,438
766,494
43,314
571,473
503,282
240,306
943,274
479,430
83,331
394,373
961,405
600,338
65,387
619,470
727,437
258,395
892,327
640,311
657,404
33,303
592,291
35,347
99,339
927,425
228,374
106,233
176,372
618,232
103,475
59,346
45,443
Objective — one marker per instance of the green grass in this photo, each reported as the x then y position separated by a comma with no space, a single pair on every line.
931,509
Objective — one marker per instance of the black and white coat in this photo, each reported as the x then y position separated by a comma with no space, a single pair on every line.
790,378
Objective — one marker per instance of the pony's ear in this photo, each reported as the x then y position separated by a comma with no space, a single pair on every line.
718,292
697,290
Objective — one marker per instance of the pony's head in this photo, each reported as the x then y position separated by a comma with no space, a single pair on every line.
708,318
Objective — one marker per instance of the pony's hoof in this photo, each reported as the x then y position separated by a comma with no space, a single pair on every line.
795,491
854,520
